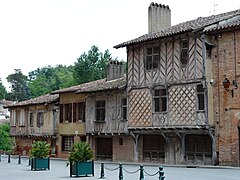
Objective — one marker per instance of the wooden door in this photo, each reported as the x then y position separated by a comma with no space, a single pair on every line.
104,148
153,148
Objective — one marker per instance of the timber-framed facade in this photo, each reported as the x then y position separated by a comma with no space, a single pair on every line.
171,89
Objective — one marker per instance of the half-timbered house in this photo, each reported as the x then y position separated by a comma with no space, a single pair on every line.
101,109
34,120
169,89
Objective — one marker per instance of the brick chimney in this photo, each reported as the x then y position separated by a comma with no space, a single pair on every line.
159,17
115,70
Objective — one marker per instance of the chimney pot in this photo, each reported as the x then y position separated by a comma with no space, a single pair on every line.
159,17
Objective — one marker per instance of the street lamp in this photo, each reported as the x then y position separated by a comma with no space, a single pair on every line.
226,85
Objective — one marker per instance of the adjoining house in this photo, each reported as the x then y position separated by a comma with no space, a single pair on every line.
96,112
179,111
34,120
4,113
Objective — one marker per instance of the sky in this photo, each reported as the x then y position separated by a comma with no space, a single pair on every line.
38,33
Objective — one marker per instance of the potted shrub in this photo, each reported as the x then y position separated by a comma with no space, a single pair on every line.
81,160
39,155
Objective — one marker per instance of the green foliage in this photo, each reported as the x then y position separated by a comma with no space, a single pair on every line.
3,91
6,142
47,79
80,152
40,149
91,66
19,86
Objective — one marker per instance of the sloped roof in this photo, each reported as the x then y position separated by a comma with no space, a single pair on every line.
94,86
5,102
48,98
192,25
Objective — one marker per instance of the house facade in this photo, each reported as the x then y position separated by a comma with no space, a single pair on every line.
98,111
34,120
173,82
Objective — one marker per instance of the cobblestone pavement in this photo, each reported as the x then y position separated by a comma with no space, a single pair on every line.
59,170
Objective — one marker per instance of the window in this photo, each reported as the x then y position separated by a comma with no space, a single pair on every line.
40,119
200,97
152,58
61,113
13,117
31,119
22,118
100,110
120,141
124,108
68,112
184,52
67,143
79,112
160,100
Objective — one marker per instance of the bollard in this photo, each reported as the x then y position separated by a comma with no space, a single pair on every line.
120,172
102,171
9,158
19,159
0,157
141,173
161,173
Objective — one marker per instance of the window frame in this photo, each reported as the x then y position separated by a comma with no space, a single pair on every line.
40,119
161,98
184,59
100,111
67,143
124,108
79,109
152,59
68,115
31,119
200,98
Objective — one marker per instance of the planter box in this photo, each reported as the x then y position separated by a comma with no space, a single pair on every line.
82,168
40,163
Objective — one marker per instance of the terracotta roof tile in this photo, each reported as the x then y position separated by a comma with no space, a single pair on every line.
48,98
98,85
195,24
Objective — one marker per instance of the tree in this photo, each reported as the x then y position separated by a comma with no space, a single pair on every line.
3,91
6,142
47,79
19,86
91,66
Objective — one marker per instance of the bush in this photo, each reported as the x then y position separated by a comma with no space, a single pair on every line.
80,152
40,149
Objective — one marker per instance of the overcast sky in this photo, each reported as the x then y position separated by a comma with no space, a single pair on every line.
37,33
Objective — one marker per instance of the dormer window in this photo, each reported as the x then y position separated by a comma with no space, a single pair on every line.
184,52
152,57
